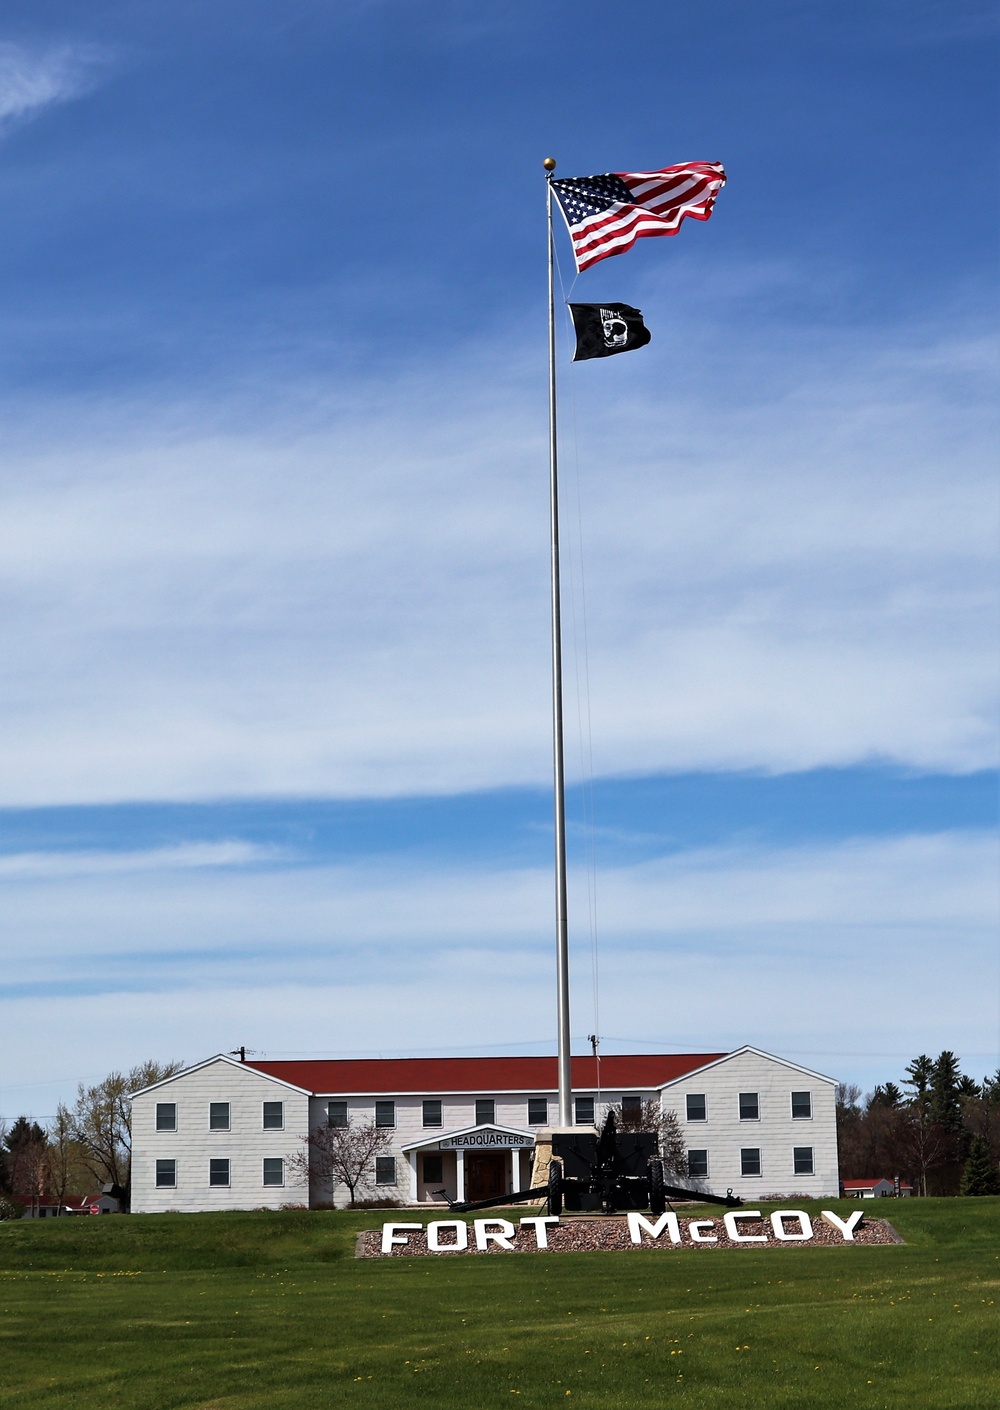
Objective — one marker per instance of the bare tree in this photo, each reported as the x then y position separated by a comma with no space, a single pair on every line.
102,1121
923,1145
341,1154
648,1115
66,1170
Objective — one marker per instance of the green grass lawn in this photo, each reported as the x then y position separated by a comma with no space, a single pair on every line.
233,1311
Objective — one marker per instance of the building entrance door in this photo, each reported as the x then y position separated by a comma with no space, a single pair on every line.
485,1175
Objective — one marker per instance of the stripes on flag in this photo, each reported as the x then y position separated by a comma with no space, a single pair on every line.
606,214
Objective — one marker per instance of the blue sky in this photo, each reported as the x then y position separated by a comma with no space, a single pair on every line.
274,711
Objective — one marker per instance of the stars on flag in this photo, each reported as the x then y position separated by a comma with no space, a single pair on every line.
606,214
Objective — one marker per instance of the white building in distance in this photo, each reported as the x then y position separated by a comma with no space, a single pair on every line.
224,1134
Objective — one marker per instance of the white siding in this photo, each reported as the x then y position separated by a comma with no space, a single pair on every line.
775,1134
458,1113
193,1145
247,1144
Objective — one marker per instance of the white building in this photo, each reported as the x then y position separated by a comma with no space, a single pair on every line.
224,1134
874,1188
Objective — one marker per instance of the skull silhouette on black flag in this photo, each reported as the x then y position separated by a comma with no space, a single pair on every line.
605,329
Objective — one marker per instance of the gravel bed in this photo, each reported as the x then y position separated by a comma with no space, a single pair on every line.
583,1235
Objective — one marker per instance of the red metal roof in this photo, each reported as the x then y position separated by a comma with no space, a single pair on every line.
870,1184
53,1202
394,1076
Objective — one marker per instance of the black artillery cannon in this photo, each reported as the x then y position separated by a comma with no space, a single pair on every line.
610,1172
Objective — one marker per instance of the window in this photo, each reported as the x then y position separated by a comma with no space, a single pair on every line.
385,1170
336,1113
803,1159
698,1164
538,1111
218,1116
585,1111
385,1115
274,1170
697,1107
750,1160
166,1116
218,1172
749,1106
274,1116
433,1169
166,1174
802,1107
432,1112
631,1107
486,1111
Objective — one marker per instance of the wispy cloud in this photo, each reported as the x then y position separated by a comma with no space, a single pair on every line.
792,948
206,901
34,79
783,575
37,865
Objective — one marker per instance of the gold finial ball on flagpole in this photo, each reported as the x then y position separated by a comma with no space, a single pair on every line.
549,163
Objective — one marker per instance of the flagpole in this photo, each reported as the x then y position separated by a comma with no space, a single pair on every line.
559,781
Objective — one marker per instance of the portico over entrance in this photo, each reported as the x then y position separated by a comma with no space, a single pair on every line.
477,1162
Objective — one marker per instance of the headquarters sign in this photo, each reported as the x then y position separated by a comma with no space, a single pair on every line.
490,1139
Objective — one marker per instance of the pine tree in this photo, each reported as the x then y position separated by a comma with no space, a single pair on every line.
887,1095
25,1168
981,1176
919,1073
22,1134
924,1140
946,1102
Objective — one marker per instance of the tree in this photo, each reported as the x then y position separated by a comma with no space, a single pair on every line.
871,1133
4,1167
945,1092
923,1146
981,1175
341,1154
981,1115
919,1073
924,1133
26,1172
929,1144
66,1170
854,1132
887,1095
673,1151
648,1115
102,1122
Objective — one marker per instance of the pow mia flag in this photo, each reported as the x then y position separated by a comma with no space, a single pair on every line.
605,329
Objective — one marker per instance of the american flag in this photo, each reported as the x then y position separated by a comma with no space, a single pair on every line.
607,214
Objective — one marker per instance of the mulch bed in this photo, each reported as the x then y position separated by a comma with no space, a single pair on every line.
582,1235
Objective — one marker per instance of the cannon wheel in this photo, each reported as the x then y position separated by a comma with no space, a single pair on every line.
657,1195
555,1187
